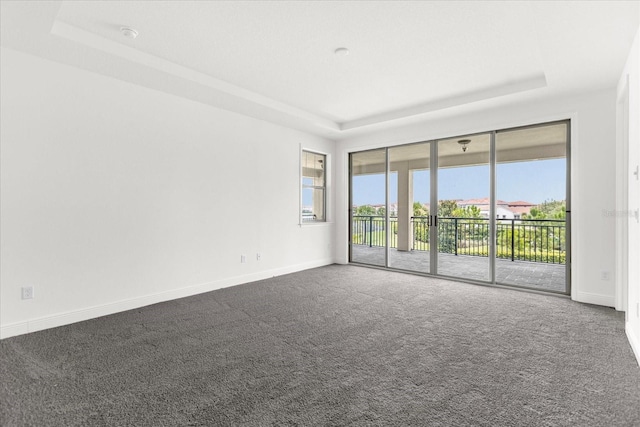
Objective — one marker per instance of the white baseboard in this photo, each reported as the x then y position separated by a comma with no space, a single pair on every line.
61,319
596,299
633,341
14,329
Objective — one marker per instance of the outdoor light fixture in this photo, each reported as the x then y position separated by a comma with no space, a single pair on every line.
464,143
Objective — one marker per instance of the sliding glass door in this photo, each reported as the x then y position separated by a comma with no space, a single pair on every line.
409,197
463,207
532,207
491,207
368,216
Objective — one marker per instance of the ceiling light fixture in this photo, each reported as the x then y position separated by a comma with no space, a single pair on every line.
341,51
129,33
464,143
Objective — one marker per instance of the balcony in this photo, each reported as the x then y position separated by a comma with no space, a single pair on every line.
529,253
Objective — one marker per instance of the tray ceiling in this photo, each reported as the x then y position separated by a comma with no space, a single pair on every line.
276,61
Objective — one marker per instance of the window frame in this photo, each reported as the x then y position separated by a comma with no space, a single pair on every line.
303,186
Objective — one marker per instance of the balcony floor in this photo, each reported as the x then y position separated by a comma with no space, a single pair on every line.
534,275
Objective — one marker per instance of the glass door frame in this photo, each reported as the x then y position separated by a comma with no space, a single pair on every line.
568,201
433,227
435,169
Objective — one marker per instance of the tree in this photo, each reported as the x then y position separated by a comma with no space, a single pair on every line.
458,225
471,211
549,209
419,210
365,210
446,208
546,239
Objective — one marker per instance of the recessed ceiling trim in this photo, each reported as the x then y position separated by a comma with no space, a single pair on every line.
94,41
587,58
86,38
535,82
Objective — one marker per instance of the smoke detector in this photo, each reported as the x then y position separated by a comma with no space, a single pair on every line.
129,33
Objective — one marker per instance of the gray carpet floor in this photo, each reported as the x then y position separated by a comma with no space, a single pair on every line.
337,345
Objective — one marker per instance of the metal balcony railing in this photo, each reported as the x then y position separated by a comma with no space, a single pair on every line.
539,240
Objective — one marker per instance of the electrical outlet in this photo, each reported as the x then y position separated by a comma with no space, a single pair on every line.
243,258
27,292
258,256
604,275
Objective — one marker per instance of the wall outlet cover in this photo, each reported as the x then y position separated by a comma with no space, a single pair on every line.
27,292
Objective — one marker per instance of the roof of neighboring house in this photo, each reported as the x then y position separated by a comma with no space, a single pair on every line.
521,203
480,202
520,209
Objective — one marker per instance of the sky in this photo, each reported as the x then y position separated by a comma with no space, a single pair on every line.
531,181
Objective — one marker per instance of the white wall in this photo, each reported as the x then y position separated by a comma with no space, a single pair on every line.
593,175
629,192
114,196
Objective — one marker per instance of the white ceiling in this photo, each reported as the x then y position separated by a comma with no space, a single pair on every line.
275,60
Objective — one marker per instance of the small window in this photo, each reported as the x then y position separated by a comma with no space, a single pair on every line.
313,187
